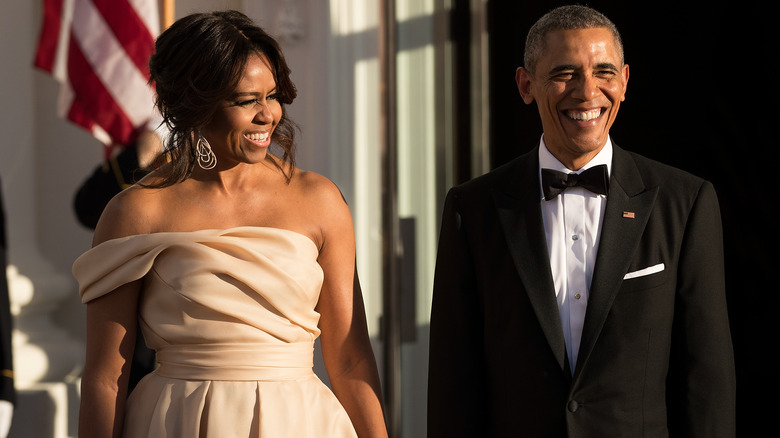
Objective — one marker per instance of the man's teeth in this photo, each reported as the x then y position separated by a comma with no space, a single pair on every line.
258,136
585,115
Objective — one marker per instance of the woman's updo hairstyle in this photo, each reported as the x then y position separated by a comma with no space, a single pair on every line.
196,66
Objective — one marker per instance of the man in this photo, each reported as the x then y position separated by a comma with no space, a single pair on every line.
586,310
7,388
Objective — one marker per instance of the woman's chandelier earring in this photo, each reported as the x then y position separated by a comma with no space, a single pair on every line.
206,158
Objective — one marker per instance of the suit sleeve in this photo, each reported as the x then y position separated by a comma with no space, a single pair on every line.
7,389
456,399
701,383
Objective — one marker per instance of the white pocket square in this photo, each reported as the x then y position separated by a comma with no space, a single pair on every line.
646,271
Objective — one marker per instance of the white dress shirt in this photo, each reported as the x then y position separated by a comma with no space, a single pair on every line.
572,226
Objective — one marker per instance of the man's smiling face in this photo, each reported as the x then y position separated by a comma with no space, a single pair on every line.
578,85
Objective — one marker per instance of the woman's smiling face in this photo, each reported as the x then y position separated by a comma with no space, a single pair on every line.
242,127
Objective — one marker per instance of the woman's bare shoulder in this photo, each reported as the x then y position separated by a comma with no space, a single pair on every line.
135,210
324,207
319,190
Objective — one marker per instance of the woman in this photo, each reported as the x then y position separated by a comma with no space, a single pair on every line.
232,258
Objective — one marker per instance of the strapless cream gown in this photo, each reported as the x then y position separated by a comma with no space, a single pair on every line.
231,316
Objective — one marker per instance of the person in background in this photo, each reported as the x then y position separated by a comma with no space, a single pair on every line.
233,259
117,173
579,289
7,389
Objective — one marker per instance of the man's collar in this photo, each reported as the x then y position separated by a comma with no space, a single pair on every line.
548,161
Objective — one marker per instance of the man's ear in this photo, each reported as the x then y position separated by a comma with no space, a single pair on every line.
523,79
624,74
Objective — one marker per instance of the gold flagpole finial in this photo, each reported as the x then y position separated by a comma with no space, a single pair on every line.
168,13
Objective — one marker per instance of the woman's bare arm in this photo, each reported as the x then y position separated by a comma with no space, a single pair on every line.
346,346
112,322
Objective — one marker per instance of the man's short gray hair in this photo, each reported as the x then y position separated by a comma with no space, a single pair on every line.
565,18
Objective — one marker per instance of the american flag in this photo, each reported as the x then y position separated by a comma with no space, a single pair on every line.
98,50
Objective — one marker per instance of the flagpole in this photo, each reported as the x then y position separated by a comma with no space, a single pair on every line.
167,13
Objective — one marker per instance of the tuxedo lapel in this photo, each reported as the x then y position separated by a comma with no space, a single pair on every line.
518,203
628,209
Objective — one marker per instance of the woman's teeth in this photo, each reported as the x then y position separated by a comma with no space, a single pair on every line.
257,137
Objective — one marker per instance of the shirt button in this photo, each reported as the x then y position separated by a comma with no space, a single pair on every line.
573,406
575,237
577,296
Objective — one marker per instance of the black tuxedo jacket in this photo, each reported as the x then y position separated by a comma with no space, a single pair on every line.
656,357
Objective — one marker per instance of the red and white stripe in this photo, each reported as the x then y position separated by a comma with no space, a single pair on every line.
99,52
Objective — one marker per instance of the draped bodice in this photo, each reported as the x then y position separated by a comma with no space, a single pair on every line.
217,304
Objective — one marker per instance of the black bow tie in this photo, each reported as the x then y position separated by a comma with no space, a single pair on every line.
594,179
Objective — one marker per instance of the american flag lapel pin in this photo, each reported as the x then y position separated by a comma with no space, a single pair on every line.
628,214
